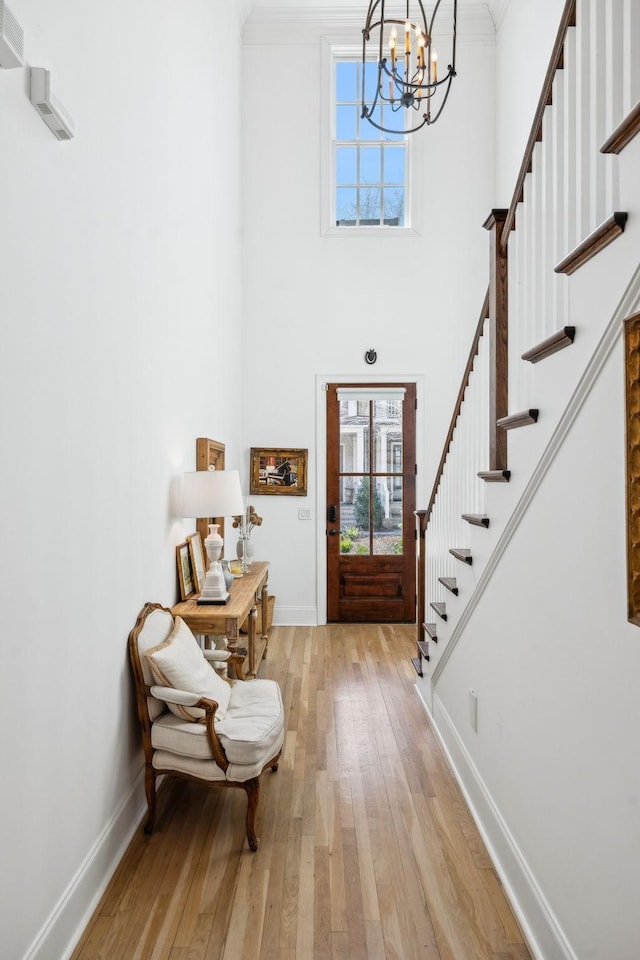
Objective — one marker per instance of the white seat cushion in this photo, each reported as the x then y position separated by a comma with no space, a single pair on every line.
254,722
251,733
179,662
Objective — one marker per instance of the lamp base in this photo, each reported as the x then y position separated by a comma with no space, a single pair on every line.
203,601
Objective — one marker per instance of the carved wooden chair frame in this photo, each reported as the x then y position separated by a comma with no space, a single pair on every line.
143,692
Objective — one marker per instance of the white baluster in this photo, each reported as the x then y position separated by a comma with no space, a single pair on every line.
583,121
570,72
558,204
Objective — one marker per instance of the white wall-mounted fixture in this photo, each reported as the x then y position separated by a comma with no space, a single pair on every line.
50,109
11,39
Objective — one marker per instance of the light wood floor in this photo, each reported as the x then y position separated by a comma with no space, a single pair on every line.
367,850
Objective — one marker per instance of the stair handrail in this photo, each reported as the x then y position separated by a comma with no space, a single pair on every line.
484,314
568,19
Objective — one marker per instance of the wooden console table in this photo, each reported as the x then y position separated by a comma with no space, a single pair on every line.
227,618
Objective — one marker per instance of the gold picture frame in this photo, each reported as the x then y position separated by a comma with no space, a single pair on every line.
197,558
185,573
278,471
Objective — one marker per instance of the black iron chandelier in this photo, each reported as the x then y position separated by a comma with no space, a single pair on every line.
407,68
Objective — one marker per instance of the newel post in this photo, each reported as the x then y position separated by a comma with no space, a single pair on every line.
422,519
498,341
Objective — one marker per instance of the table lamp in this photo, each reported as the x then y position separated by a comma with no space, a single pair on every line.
212,493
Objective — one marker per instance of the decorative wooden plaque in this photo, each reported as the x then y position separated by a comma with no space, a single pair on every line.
632,377
209,453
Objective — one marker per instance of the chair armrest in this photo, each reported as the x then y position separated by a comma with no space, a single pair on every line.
185,699
222,656
182,698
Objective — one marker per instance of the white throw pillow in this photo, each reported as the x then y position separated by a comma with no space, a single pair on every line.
179,662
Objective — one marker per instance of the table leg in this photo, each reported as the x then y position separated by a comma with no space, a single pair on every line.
253,616
265,612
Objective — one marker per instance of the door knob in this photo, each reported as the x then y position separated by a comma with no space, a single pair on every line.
332,533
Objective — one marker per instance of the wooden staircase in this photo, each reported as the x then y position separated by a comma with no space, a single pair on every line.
496,343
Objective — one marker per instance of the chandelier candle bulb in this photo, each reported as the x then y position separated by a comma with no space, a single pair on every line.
407,37
434,67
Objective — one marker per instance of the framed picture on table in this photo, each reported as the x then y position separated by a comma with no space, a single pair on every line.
185,573
196,556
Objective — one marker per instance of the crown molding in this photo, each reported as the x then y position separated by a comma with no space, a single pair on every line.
283,25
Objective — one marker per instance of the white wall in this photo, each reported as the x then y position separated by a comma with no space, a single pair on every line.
120,310
314,304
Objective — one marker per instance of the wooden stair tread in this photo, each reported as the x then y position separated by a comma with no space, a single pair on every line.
423,647
601,237
440,609
476,519
521,419
431,630
624,132
417,663
461,553
557,341
450,584
495,476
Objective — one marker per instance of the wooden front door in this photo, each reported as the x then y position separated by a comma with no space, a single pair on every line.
371,480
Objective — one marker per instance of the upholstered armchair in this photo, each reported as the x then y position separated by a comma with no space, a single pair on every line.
195,723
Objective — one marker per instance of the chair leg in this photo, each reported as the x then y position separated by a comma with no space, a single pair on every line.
150,790
252,788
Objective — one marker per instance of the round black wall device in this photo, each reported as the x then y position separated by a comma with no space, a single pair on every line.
371,356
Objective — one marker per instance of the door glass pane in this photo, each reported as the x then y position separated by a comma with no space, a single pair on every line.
354,437
387,506
354,516
387,432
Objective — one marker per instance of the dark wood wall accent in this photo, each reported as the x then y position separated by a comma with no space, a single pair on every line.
632,378
209,453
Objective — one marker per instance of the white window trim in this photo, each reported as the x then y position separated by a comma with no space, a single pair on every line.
330,52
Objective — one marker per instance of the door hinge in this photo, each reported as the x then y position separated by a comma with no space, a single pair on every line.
415,404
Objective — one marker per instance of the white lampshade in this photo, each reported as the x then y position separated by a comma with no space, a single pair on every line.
212,493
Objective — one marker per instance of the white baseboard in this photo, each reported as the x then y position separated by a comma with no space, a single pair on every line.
59,935
295,616
541,929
